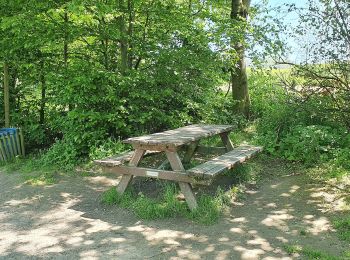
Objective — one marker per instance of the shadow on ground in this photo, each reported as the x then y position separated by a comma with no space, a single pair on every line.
67,220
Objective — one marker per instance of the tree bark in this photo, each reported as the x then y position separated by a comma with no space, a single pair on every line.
43,94
65,44
6,95
239,80
66,50
123,39
130,32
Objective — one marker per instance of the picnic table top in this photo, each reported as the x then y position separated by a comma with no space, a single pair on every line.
180,136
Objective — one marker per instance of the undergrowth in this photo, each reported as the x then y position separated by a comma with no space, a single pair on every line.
42,166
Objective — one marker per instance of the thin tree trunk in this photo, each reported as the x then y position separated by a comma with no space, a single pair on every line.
43,94
130,31
66,50
123,39
240,94
65,46
6,95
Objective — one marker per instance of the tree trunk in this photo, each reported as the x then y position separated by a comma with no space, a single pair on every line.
66,51
6,95
43,94
65,44
123,39
240,94
130,32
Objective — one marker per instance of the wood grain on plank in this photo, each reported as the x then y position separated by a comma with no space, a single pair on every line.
126,178
149,172
180,136
116,159
225,161
185,187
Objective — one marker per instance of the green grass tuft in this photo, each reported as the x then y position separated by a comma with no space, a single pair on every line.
292,249
207,212
168,205
342,225
303,232
309,253
110,197
41,178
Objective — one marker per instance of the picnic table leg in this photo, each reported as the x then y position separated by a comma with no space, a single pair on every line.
226,140
190,152
185,187
187,157
126,178
164,165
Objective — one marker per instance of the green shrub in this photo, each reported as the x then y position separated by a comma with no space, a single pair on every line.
107,148
62,155
342,158
309,143
293,126
266,94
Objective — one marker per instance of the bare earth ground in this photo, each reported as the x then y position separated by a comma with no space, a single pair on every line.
67,221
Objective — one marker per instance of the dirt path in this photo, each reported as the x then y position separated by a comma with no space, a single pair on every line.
67,221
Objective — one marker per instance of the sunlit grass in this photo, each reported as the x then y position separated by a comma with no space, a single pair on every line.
167,205
342,225
31,169
309,253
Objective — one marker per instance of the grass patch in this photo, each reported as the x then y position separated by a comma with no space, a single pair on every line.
208,210
168,205
31,169
303,232
44,178
292,249
342,225
328,171
243,173
309,253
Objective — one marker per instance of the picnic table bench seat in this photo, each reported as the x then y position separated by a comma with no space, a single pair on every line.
115,160
227,161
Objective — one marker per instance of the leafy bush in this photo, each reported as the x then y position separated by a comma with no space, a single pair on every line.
107,148
342,158
296,128
267,94
62,155
309,143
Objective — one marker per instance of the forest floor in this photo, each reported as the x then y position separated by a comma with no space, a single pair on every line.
67,220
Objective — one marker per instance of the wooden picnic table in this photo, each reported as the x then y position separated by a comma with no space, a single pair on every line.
170,142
